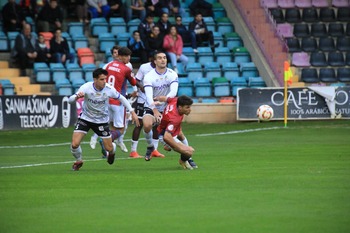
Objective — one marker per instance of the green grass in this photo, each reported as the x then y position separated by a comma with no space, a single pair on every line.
294,179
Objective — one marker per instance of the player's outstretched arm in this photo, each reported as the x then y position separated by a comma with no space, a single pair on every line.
76,96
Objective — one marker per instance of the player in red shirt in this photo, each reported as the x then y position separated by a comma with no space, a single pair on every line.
169,129
118,75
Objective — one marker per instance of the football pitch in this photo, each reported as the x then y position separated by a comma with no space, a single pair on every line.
252,178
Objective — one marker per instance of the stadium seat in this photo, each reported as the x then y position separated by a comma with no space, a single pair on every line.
122,38
343,14
88,69
269,3
74,71
327,15
326,44
336,29
222,55
293,15
205,55
79,41
211,70
240,55
300,59
221,87
320,3
303,3
210,23
218,10
68,38
202,87
310,15
286,3
284,30
277,15
309,44
64,87
224,25
133,24
255,82
318,59
237,83
188,51
4,46
98,26
42,72
341,3
7,87
75,28
336,58
185,87
233,40
248,69
86,56
327,75
319,30
12,37
58,71
194,70
343,74
230,70
106,41
218,38
301,30
76,83
117,25
309,75
343,44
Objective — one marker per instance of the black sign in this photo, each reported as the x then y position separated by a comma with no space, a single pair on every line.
24,112
303,103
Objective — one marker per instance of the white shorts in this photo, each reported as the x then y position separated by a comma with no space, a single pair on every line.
117,115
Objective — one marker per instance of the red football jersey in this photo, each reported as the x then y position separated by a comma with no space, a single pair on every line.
171,119
118,74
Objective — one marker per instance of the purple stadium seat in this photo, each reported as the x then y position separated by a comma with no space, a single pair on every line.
286,3
301,59
269,3
285,30
340,3
320,3
303,3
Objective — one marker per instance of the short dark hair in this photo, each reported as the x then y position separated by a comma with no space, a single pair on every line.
98,72
115,47
155,53
184,100
124,51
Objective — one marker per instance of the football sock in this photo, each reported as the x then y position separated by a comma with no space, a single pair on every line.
185,141
148,137
184,157
77,153
94,136
155,143
134,145
115,134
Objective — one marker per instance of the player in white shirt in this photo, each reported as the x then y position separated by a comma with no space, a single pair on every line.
160,81
95,115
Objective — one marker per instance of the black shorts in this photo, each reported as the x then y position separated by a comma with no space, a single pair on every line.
102,130
139,110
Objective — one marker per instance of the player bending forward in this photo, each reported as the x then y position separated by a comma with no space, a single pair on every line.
95,115
169,129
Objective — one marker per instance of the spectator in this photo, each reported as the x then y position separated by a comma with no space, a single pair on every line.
116,8
24,51
145,27
201,6
50,17
82,11
43,51
202,34
187,36
173,46
164,24
153,6
12,16
29,8
135,7
154,41
172,7
59,49
98,8
136,45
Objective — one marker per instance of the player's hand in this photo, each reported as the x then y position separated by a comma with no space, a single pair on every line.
157,115
135,118
80,95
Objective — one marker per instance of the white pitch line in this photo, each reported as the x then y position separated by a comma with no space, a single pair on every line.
237,131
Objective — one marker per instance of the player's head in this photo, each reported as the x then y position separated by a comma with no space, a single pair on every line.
100,78
124,54
184,104
114,51
160,59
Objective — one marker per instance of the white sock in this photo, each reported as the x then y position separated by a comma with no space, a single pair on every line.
77,153
134,145
148,137
185,141
155,143
94,136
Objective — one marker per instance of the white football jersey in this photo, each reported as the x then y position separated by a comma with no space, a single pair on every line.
161,85
143,70
95,107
